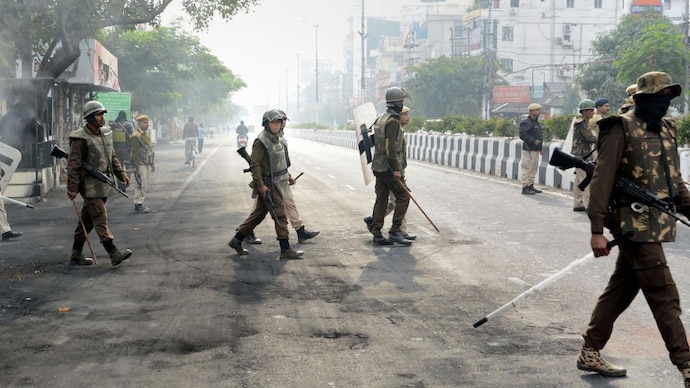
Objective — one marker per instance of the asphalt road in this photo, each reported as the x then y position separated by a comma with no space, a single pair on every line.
186,311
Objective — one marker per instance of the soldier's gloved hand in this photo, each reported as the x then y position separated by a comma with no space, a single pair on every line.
397,175
126,181
72,194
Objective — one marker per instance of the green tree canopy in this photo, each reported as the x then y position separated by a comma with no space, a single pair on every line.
449,86
638,44
50,30
166,68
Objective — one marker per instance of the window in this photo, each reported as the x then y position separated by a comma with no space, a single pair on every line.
514,3
507,35
597,3
667,4
570,3
497,3
506,65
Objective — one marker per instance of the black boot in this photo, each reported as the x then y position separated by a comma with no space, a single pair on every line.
399,238
527,190
535,190
304,234
380,240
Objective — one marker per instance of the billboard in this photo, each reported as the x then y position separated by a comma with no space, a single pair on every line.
638,7
114,103
503,94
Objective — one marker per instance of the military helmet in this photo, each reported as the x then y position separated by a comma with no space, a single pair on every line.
396,94
272,115
93,107
586,104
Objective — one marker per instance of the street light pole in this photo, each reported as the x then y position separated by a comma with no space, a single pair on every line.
298,84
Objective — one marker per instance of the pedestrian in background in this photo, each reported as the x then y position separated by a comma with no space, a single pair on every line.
532,139
584,141
142,162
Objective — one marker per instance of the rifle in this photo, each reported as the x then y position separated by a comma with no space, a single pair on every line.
60,153
243,153
642,198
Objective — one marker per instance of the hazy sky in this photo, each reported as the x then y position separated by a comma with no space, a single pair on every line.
262,46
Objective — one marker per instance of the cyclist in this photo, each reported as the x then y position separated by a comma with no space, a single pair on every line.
190,133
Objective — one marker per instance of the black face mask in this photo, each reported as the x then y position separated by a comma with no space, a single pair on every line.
395,106
651,108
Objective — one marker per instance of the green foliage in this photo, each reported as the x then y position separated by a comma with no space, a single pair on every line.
638,44
557,127
166,68
443,86
52,29
683,126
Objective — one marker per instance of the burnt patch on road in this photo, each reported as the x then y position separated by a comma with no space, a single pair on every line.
355,340
330,289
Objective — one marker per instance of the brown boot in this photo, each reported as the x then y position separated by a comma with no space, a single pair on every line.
591,361
684,368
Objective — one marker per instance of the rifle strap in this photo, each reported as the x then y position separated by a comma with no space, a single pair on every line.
667,170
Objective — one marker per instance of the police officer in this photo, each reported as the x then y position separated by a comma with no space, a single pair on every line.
389,170
583,146
5,229
142,162
270,184
404,120
640,146
91,146
532,138
628,102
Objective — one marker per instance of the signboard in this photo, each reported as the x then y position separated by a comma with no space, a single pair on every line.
95,66
638,7
537,92
114,103
502,94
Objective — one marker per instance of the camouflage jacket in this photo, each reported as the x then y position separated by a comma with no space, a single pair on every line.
628,149
388,143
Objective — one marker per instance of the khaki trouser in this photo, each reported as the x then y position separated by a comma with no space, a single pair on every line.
529,166
291,213
580,198
385,184
140,192
641,266
259,213
389,209
4,224
94,214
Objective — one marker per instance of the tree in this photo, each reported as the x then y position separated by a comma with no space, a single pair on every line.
636,38
167,69
449,86
50,30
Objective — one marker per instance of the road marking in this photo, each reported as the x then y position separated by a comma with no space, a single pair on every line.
332,176
351,187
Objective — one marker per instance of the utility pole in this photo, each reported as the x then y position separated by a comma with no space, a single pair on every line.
687,65
298,84
486,113
363,36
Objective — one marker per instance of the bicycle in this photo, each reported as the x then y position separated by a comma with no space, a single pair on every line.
190,152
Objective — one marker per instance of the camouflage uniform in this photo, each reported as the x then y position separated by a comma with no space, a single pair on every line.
583,144
628,147
97,151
